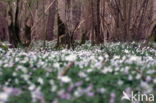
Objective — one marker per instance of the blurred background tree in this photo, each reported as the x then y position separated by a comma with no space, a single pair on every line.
24,21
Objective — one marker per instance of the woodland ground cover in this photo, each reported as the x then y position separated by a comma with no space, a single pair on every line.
98,74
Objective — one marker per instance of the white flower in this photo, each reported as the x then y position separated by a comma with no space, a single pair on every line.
3,97
90,70
126,70
32,87
25,77
100,58
87,79
151,71
22,68
25,60
98,65
130,77
116,57
148,78
14,74
37,95
56,65
138,76
107,70
51,82
101,90
117,69
106,56
71,57
78,92
154,81
135,58
60,92
126,51
16,81
40,80
146,87
120,82
65,79
53,88
82,74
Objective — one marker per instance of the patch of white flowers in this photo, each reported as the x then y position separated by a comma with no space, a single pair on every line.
65,79
130,63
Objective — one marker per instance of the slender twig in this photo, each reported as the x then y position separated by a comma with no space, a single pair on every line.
66,69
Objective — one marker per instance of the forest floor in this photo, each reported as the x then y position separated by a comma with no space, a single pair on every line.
89,74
